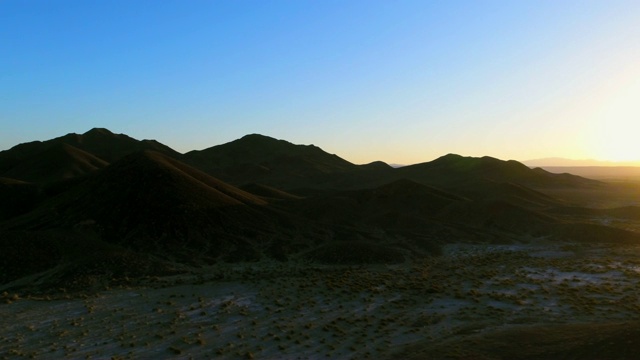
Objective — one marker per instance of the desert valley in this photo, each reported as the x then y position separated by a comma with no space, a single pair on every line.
113,247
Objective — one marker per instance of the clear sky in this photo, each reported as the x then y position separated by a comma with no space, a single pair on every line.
398,81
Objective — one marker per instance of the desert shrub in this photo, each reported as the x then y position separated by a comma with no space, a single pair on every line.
355,252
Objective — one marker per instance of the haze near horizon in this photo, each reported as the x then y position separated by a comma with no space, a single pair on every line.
367,80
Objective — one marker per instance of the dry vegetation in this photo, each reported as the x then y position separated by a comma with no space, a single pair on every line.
462,304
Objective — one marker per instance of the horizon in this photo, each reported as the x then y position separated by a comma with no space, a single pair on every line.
402,83
533,163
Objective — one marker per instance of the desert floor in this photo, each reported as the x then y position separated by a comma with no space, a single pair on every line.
453,306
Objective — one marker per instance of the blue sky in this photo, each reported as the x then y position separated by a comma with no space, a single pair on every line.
398,81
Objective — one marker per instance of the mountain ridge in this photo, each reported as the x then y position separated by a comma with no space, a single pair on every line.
98,142
281,164
154,209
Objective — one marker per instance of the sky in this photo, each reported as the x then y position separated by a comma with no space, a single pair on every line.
399,81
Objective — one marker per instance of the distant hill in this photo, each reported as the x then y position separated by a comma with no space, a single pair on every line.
599,172
563,162
454,170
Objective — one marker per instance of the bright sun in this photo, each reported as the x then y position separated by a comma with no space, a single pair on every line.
620,144
616,130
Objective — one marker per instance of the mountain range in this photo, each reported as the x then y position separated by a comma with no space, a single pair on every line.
84,209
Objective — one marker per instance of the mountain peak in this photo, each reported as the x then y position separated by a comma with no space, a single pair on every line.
263,159
256,136
99,131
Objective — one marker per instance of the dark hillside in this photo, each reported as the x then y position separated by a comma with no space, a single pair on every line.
509,192
500,216
268,192
112,147
145,206
40,261
151,202
17,198
382,207
57,162
452,171
261,159
626,212
98,143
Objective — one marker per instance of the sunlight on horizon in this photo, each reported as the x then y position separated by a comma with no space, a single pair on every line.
614,134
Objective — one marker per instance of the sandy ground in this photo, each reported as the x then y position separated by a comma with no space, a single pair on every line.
300,311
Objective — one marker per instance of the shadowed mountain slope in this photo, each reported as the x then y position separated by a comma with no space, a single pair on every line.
98,192
499,216
626,212
408,207
152,202
262,159
476,178
454,170
72,154
268,192
392,205
17,197
509,192
9,181
58,162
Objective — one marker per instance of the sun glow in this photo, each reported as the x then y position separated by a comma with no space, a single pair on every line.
617,124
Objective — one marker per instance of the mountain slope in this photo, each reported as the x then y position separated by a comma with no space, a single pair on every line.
149,209
59,161
399,204
265,160
268,192
454,170
152,202
32,158
17,197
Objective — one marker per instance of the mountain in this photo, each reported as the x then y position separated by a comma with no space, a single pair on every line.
265,160
500,216
393,205
599,172
513,193
85,209
453,170
149,201
57,162
142,215
72,155
405,205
